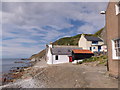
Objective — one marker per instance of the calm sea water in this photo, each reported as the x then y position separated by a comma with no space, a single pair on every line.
9,63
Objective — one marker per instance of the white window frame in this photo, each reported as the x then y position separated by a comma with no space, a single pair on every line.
114,56
117,7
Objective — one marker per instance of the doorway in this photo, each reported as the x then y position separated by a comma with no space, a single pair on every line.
70,58
99,48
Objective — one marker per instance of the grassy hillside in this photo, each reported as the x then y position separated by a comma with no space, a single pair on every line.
39,55
69,40
98,33
66,41
74,40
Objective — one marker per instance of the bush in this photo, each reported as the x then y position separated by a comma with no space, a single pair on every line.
102,59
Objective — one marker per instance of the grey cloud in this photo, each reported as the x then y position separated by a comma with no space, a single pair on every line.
50,13
28,19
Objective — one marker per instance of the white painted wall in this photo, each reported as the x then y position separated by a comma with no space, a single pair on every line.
95,50
61,59
104,48
83,42
88,44
49,56
100,43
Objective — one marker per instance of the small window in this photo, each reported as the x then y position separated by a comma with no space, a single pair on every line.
117,7
116,49
69,51
93,47
56,57
94,42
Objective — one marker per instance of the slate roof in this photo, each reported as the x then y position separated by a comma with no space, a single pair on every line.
92,38
63,50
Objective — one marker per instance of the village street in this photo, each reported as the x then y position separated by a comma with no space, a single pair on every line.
72,33
76,76
66,76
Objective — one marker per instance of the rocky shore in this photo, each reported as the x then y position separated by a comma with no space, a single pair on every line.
86,75
15,73
20,75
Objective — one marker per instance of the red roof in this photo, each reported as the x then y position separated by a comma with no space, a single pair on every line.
82,51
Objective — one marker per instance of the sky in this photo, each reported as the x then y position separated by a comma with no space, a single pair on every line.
28,26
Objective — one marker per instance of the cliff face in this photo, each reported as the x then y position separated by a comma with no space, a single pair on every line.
66,41
39,55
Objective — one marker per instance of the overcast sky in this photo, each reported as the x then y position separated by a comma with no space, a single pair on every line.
28,27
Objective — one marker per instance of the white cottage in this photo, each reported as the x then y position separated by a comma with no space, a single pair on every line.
95,44
59,54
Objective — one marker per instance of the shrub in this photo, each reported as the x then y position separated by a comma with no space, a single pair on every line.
102,59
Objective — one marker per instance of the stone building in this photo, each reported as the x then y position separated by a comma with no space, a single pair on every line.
113,37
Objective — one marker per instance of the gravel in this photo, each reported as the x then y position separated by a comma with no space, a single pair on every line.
65,76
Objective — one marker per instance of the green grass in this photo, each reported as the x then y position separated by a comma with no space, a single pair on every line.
74,39
67,41
98,33
39,55
102,59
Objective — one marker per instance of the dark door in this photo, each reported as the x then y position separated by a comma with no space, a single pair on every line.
90,48
99,48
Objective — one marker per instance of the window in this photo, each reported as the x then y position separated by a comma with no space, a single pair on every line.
56,57
93,47
69,51
94,42
117,7
116,49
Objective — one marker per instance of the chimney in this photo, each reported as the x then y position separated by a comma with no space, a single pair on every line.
47,46
83,34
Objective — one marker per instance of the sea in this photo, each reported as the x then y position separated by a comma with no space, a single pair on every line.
9,63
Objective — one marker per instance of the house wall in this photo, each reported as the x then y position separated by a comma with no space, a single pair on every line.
61,59
95,49
100,43
82,42
89,44
49,56
112,33
104,48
